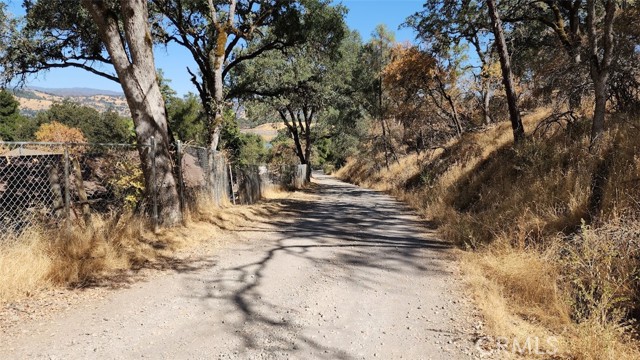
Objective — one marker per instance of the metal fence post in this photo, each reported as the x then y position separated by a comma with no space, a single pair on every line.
154,183
180,179
67,193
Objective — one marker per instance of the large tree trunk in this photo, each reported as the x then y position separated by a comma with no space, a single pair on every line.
600,63
136,71
216,121
217,56
507,76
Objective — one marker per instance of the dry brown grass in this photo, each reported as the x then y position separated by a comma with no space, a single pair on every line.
38,259
266,131
18,279
537,270
98,102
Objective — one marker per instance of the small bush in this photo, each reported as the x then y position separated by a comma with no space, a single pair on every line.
602,268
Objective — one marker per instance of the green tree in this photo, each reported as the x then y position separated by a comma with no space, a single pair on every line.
12,124
242,149
253,150
187,119
305,81
376,55
107,127
214,33
89,34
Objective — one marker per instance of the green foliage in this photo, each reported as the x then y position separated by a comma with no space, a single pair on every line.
106,127
310,87
243,149
187,119
54,33
9,105
12,124
168,94
253,150
257,113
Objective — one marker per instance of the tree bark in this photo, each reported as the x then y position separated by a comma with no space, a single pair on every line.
132,58
217,56
216,119
600,60
507,76
486,104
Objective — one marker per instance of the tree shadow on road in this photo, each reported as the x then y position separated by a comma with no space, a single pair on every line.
353,232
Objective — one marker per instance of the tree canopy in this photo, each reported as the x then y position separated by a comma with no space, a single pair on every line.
106,127
302,82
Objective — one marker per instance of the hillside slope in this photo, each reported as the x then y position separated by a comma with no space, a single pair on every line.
550,227
32,101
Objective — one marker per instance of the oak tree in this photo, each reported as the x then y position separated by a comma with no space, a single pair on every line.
90,35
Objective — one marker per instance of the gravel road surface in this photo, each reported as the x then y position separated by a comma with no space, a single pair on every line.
346,273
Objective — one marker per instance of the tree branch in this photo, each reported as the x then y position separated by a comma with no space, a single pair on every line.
277,44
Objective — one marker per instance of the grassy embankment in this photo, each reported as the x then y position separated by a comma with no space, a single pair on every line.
549,230
38,260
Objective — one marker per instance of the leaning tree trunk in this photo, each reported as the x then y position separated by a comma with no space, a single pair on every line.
507,76
132,58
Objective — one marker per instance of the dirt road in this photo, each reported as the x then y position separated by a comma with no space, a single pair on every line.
347,274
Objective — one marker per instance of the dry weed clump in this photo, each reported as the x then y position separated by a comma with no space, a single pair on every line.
24,265
40,258
602,267
81,256
536,267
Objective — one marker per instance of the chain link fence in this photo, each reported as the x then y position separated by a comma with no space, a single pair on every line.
51,185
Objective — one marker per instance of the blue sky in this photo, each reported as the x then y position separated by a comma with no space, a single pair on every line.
363,16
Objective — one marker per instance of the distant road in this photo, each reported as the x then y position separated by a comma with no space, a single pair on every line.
346,273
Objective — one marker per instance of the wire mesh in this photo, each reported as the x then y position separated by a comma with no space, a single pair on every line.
52,184
44,183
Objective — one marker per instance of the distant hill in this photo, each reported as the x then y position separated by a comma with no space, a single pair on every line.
36,99
75,92
266,131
